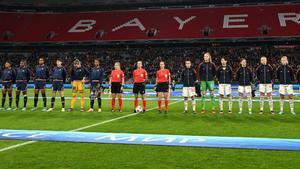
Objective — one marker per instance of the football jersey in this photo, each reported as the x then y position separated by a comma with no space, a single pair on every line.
163,75
139,75
117,76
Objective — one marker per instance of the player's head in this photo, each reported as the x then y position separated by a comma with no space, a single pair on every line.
207,57
41,60
59,62
243,62
263,60
97,62
139,64
7,64
23,63
161,64
284,60
117,66
188,63
77,63
224,61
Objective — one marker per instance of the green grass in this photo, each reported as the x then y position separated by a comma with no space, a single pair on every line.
60,155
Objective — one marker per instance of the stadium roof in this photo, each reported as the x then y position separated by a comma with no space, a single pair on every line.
97,5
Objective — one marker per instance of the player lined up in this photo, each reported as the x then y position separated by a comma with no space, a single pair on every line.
205,74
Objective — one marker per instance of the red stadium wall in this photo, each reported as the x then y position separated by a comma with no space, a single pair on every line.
172,24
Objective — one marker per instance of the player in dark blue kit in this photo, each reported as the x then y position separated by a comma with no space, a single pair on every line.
59,75
8,78
23,75
96,78
40,77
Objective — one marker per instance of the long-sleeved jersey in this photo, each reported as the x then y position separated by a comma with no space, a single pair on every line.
285,74
8,75
188,76
96,75
264,74
224,74
41,73
206,71
79,73
59,74
23,74
244,76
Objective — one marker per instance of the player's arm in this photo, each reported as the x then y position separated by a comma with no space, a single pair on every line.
64,74
257,70
146,76
292,74
251,75
13,76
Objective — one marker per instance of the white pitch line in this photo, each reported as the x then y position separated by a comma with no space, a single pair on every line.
81,128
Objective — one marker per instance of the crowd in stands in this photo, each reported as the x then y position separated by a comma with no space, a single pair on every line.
173,57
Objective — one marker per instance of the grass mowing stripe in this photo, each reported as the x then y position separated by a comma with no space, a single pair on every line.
82,128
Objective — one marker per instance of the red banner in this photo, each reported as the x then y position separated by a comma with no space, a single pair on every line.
157,24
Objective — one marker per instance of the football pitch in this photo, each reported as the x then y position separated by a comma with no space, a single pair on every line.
15,154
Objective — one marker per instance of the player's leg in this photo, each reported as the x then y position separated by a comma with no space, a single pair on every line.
229,96
270,97
136,101
9,91
98,93
92,99
62,99
203,96
193,104
3,97
282,94
135,91
262,89
185,104
249,96
166,98
291,99
120,101
25,99
43,92
36,97
159,94
113,101
54,91
18,92
241,90
185,94
74,95
221,97
144,102
81,92
211,86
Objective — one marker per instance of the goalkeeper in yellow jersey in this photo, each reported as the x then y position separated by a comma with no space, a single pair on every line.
78,77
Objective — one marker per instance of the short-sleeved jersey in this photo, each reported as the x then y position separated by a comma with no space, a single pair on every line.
117,76
163,75
139,75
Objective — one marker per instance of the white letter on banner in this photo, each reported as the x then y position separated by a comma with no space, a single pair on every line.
39,135
151,139
82,26
283,17
114,138
233,19
131,23
191,140
183,22
17,134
